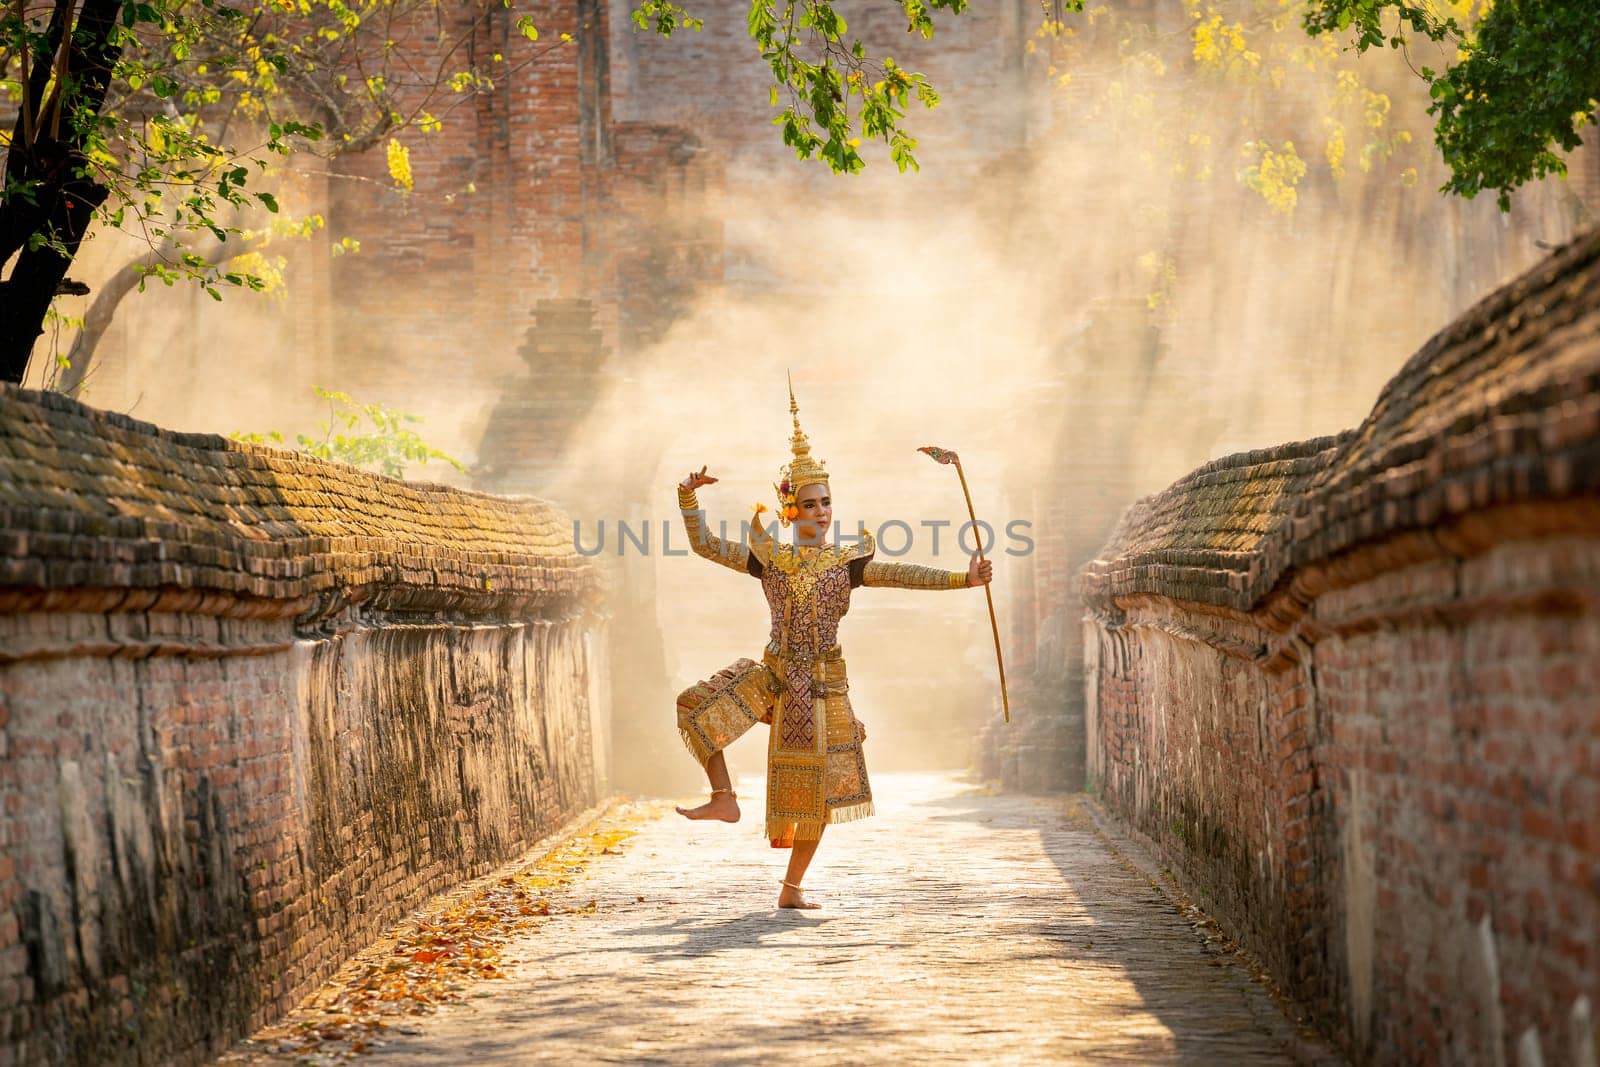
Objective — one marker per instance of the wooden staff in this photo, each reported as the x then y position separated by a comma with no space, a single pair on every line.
947,457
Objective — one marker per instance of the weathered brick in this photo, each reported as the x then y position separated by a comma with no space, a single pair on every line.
1448,792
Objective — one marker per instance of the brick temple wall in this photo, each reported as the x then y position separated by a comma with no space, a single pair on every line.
255,707
532,194
715,84
506,208
1348,687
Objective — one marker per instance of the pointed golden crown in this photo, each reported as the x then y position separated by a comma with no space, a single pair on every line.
801,469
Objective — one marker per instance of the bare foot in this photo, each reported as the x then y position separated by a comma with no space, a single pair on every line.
722,808
791,898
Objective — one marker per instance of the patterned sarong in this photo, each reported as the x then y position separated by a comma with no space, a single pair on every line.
817,779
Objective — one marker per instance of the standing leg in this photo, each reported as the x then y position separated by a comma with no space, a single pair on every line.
724,803
799,860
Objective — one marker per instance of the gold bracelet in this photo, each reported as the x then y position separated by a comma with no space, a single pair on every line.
687,500
958,580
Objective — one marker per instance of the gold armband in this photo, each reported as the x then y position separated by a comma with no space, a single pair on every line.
911,576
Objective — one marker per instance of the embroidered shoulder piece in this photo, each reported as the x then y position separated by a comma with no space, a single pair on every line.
761,542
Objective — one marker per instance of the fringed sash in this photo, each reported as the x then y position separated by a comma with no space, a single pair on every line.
797,751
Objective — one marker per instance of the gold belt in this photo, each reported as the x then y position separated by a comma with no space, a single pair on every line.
827,671
835,652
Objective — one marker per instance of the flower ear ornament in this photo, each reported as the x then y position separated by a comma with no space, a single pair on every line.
788,509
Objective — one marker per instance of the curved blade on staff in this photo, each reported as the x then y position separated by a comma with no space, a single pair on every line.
947,457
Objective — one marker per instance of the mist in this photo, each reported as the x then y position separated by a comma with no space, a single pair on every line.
1058,295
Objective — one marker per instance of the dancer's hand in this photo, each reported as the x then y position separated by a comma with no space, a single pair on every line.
696,479
979,571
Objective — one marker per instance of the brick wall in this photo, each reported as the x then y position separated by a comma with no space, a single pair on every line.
253,709
1348,687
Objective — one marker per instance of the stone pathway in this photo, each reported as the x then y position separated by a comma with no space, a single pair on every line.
958,928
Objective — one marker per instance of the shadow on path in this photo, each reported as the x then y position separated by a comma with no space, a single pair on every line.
958,928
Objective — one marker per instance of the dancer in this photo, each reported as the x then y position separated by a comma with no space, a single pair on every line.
816,771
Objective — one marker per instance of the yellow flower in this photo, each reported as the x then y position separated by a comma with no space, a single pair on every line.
1335,148
1274,175
399,159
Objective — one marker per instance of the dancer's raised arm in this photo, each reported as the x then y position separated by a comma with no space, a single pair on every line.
731,554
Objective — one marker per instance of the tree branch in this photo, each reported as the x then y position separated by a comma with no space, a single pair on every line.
97,320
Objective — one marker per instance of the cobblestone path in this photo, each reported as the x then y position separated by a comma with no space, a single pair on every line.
958,928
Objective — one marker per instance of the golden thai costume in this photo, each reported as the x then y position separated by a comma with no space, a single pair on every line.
816,770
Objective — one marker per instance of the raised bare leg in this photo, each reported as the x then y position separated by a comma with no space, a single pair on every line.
799,859
724,803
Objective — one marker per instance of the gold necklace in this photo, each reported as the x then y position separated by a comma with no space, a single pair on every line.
793,558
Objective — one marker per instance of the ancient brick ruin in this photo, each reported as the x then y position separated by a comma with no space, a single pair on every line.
1347,686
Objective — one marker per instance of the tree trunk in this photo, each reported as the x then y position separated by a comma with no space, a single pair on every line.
25,297
61,203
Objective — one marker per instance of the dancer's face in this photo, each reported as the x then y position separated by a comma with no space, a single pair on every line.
816,512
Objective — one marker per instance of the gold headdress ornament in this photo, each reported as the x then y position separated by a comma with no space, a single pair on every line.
801,470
